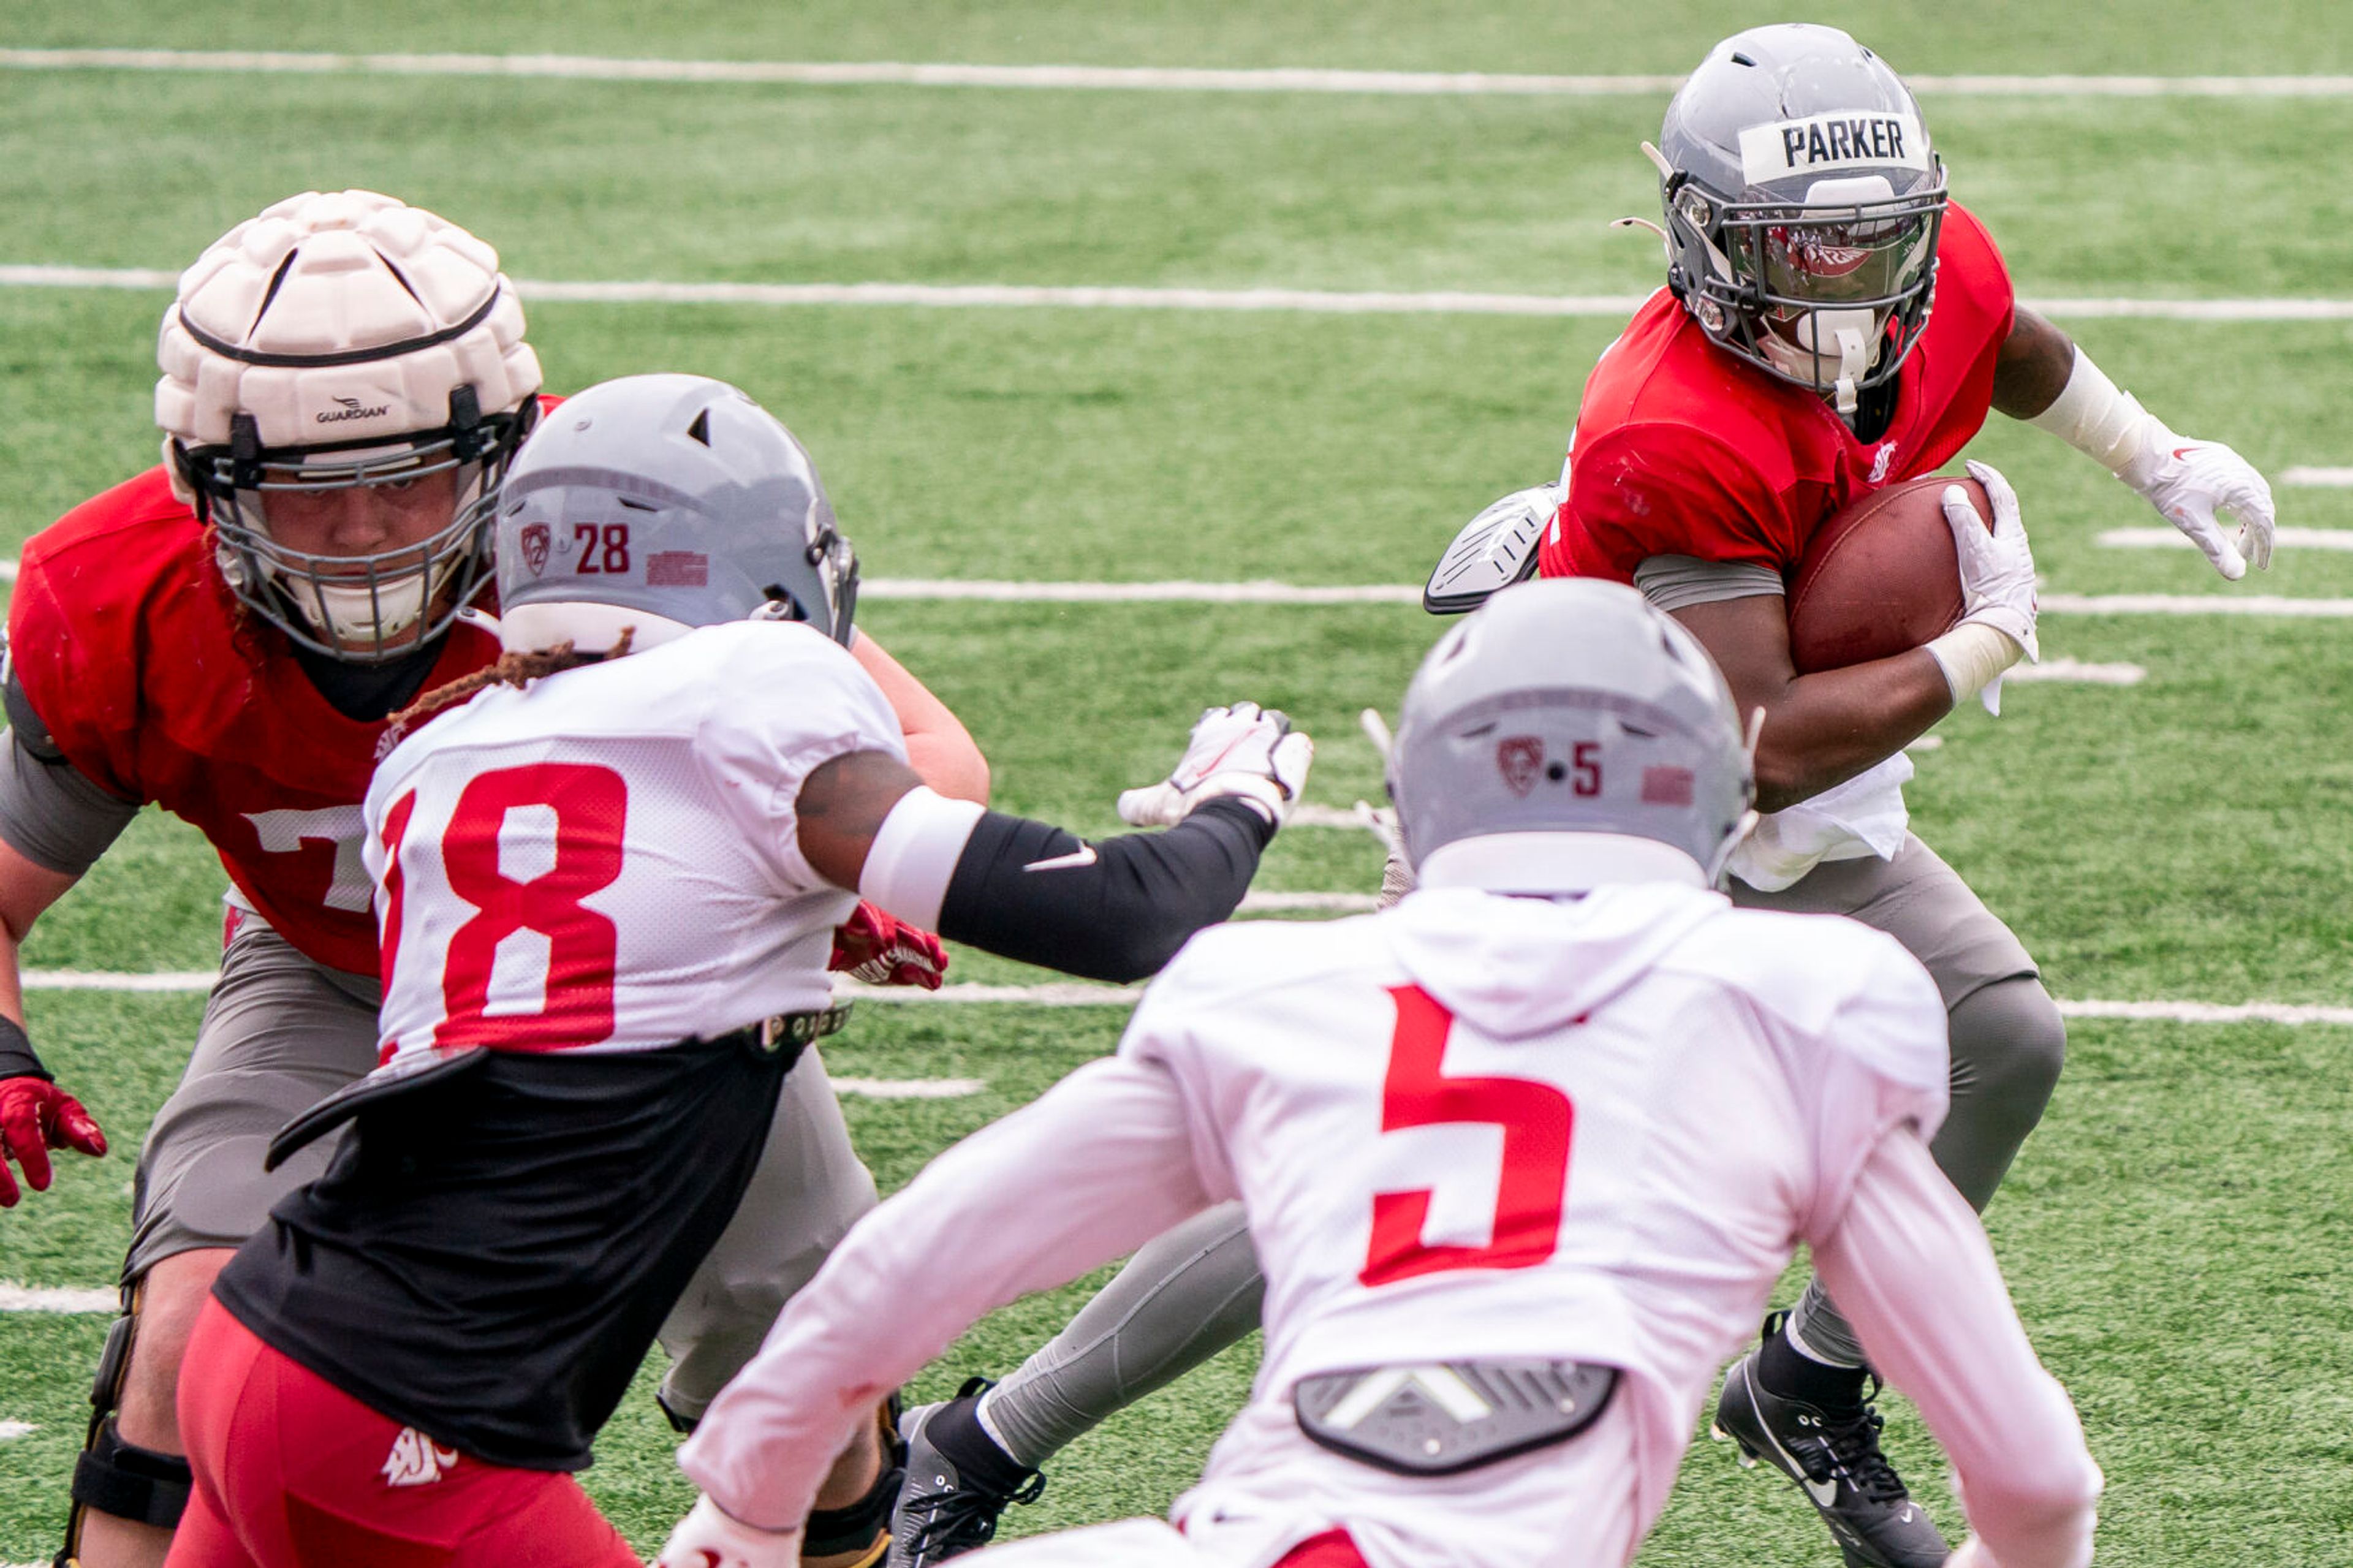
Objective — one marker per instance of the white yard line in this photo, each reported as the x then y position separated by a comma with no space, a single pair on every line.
1115,297
1309,814
2323,478
195,981
1117,79
909,1088
2169,539
32,1299
2211,1012
10,1429
2074,671
1086,297
2227,603
1080,993
1331,903
1256,592
1053,994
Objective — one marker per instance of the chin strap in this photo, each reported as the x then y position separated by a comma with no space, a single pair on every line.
1852,336
1853,361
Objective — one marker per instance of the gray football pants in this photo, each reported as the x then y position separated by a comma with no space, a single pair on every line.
281,1033
1190,1293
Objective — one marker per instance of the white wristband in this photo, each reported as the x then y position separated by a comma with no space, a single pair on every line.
914,854
2097,417
1971,655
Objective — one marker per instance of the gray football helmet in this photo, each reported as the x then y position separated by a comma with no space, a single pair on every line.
665,502
1570,705
1803,204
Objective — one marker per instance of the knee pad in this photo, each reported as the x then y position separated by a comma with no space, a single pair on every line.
113,1476
142,1485
2010,1036
2008,1043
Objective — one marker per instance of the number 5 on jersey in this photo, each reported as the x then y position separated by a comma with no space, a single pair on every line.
1537,1121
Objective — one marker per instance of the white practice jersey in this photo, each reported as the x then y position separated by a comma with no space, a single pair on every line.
1471,1126
607,858
1487,1127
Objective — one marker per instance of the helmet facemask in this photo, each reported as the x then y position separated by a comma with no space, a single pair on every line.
1828,292
359,609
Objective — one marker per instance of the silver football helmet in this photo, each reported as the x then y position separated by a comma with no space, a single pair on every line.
1803,203
1570,705
662,503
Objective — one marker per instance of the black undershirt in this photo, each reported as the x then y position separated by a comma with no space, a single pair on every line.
1874,409
487,1259
367,692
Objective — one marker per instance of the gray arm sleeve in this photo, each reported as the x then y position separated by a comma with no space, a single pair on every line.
1676,581
52,815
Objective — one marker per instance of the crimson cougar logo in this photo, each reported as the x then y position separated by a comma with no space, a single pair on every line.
417,1460
1518,758
535,538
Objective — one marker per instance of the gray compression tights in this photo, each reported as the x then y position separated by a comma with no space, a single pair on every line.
1184,1297
1189,1294
2008,1043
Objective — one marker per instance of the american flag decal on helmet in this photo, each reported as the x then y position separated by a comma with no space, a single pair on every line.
678,569
1666,786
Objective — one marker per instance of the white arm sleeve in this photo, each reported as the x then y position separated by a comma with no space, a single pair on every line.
914,854
1910,1266
1089,1172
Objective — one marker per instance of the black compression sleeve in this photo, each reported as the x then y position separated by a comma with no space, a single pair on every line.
16,1057
1118,915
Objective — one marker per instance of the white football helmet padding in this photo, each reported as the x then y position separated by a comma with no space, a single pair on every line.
338,342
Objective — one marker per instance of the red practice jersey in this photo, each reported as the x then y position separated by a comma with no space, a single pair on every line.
157,687
1684,449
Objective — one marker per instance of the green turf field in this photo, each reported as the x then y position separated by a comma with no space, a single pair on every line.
2175,1233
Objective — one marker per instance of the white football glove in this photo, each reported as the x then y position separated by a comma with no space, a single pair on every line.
1996,590
1997,567
2192,484
710,1538
1240,751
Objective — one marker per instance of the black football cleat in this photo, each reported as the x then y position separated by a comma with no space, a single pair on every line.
1834,1458
946,1508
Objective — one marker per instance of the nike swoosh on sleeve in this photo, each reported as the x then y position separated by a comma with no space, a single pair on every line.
1084,855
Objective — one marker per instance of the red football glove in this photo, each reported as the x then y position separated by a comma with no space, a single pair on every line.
37,1116
880,948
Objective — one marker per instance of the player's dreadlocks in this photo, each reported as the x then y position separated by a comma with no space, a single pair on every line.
516,668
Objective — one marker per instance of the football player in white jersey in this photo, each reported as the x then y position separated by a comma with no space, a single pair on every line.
608,881
1522,1156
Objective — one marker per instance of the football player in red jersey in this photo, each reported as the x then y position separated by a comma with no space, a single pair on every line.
1834,322
1792,364
225,636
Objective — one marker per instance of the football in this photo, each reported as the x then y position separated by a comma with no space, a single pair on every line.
1880,577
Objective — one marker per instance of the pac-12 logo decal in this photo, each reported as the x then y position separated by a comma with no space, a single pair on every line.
534,547
1519,758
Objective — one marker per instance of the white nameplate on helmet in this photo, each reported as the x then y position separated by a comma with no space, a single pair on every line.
1820,144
